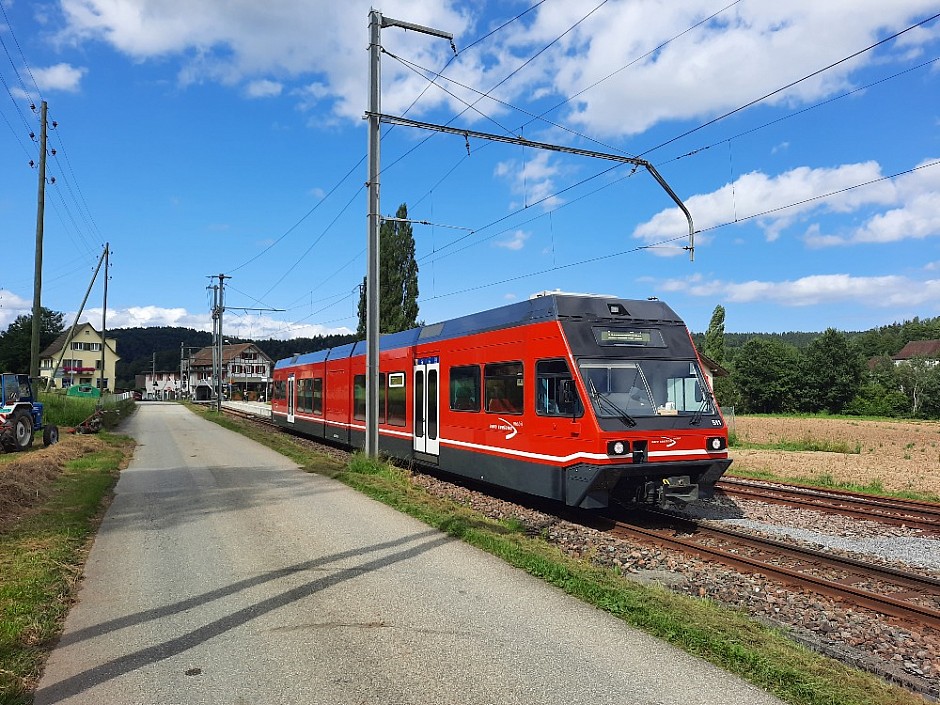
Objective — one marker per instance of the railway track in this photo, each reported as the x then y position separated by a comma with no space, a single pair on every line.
898,512
906,596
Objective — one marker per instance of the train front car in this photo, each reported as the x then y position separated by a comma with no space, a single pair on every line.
662,433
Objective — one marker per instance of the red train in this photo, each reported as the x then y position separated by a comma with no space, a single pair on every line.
582,399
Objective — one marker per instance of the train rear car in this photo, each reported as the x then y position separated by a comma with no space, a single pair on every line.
583,399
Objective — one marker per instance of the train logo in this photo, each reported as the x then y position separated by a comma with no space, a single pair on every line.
509,427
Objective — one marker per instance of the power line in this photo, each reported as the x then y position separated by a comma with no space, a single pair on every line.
593,85
751,103
363,158
791,84
666,241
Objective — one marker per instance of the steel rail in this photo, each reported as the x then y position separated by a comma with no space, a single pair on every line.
883,604
897,512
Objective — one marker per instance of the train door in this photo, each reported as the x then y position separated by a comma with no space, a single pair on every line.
291,398
426,401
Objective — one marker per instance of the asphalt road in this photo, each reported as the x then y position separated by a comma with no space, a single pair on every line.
223,574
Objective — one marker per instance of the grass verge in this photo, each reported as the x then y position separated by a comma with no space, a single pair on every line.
41,558
728,638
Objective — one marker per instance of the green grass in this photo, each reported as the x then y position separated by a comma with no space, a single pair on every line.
65,411
40,561
728,638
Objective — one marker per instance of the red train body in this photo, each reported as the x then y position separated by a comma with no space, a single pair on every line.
582,399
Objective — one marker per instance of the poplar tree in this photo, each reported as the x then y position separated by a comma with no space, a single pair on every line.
714,345
398,278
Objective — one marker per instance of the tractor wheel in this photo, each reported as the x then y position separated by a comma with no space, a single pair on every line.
50,435
22,430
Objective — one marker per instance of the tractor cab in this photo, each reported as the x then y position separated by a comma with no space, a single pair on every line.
21,415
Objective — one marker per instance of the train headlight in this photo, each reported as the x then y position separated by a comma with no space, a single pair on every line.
716,443
618,447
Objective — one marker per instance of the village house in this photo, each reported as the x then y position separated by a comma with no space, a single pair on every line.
929,350
79,360
246,373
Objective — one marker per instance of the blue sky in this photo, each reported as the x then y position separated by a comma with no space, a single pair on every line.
227,137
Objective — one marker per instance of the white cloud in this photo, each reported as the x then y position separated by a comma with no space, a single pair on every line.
815,290
12,306
776,202
60,77
263,89
253,327
231,42
760,44
516,241
532,179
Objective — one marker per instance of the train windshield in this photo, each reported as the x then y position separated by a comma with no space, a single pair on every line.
646,388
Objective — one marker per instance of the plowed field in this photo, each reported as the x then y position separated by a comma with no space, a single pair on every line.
903,455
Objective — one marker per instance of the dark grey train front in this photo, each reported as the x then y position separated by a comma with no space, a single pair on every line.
579,398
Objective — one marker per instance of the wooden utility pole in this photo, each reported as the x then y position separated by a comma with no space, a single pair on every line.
37,275
104,322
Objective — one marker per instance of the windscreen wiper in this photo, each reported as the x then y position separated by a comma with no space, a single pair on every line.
697,416
624,417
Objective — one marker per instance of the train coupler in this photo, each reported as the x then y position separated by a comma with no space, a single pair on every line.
678,490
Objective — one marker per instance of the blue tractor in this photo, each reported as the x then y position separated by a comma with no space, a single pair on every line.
21,415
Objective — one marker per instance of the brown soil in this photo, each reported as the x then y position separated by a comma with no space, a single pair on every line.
26,478
900,456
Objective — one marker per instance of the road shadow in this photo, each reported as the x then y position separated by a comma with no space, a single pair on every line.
92,677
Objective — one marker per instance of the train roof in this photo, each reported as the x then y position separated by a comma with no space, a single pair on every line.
547,306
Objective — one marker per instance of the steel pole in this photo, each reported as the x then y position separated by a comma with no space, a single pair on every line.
372,271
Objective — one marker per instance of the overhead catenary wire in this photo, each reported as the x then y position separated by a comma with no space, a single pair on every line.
798,81
667,241
749,104
541,116
362,159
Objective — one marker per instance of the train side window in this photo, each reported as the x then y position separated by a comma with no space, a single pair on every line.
465,388
397,395
359,397
383,399
504,390
305,395
280,389
552,378
318,396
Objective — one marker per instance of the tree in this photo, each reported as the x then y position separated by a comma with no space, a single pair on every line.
15,340
714,346
398,278
832,373
766,374
918,377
